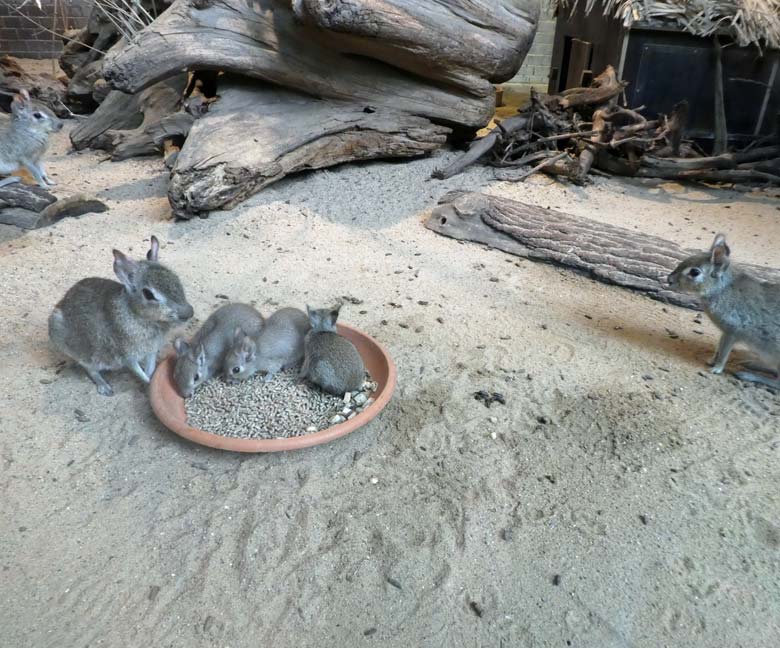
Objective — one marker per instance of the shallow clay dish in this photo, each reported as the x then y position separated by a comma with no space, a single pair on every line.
168,405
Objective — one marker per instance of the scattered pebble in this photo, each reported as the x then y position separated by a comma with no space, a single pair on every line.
488,398
476,608
81,417
284,407
374,480
556,579
393,582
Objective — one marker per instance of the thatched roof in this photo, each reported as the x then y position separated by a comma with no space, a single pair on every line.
749,22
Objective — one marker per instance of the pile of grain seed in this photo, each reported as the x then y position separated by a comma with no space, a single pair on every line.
283,407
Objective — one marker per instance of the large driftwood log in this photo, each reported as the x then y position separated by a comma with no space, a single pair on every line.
375,54
84,49
605,252
130,125
255,135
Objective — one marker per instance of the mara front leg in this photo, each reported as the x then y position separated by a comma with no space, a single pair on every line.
150,364
37,172
719,360
135,367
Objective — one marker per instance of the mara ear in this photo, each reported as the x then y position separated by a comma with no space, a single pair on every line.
20,102
333,314
719,251
238,335
154,249
180,346
247,346
201,356
125,269
719,241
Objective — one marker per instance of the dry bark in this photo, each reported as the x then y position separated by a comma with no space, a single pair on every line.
604,87
83,52
605,252
246,142
42,87
30,206
131,125
22,196
434,59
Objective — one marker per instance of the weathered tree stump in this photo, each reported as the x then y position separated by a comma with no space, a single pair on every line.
605,252
255,135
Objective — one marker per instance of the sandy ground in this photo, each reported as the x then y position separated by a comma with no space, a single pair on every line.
628,499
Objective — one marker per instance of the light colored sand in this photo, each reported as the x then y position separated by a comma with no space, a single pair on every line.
115,533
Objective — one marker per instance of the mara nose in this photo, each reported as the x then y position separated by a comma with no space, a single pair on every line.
185,312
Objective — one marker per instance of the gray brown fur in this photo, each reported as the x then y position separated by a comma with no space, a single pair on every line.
745,309
106,325
204,356
331,361
24,140
278,346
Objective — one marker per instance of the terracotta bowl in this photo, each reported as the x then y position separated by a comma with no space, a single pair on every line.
168,405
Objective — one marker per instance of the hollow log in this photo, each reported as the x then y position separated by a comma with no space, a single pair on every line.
254,135
129,125
374,54
610,254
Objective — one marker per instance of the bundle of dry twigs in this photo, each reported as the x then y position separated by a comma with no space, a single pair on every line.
582,129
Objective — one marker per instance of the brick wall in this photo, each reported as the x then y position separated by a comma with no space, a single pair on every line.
536,67
21,37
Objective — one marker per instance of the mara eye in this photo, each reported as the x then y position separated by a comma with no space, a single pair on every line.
197,377
149,295
236,369
38,115
694,272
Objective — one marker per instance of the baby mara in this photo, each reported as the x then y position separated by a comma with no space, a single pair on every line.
745,309
24,139
106,325
237,342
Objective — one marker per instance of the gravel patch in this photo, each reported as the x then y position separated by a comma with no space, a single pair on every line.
281,408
